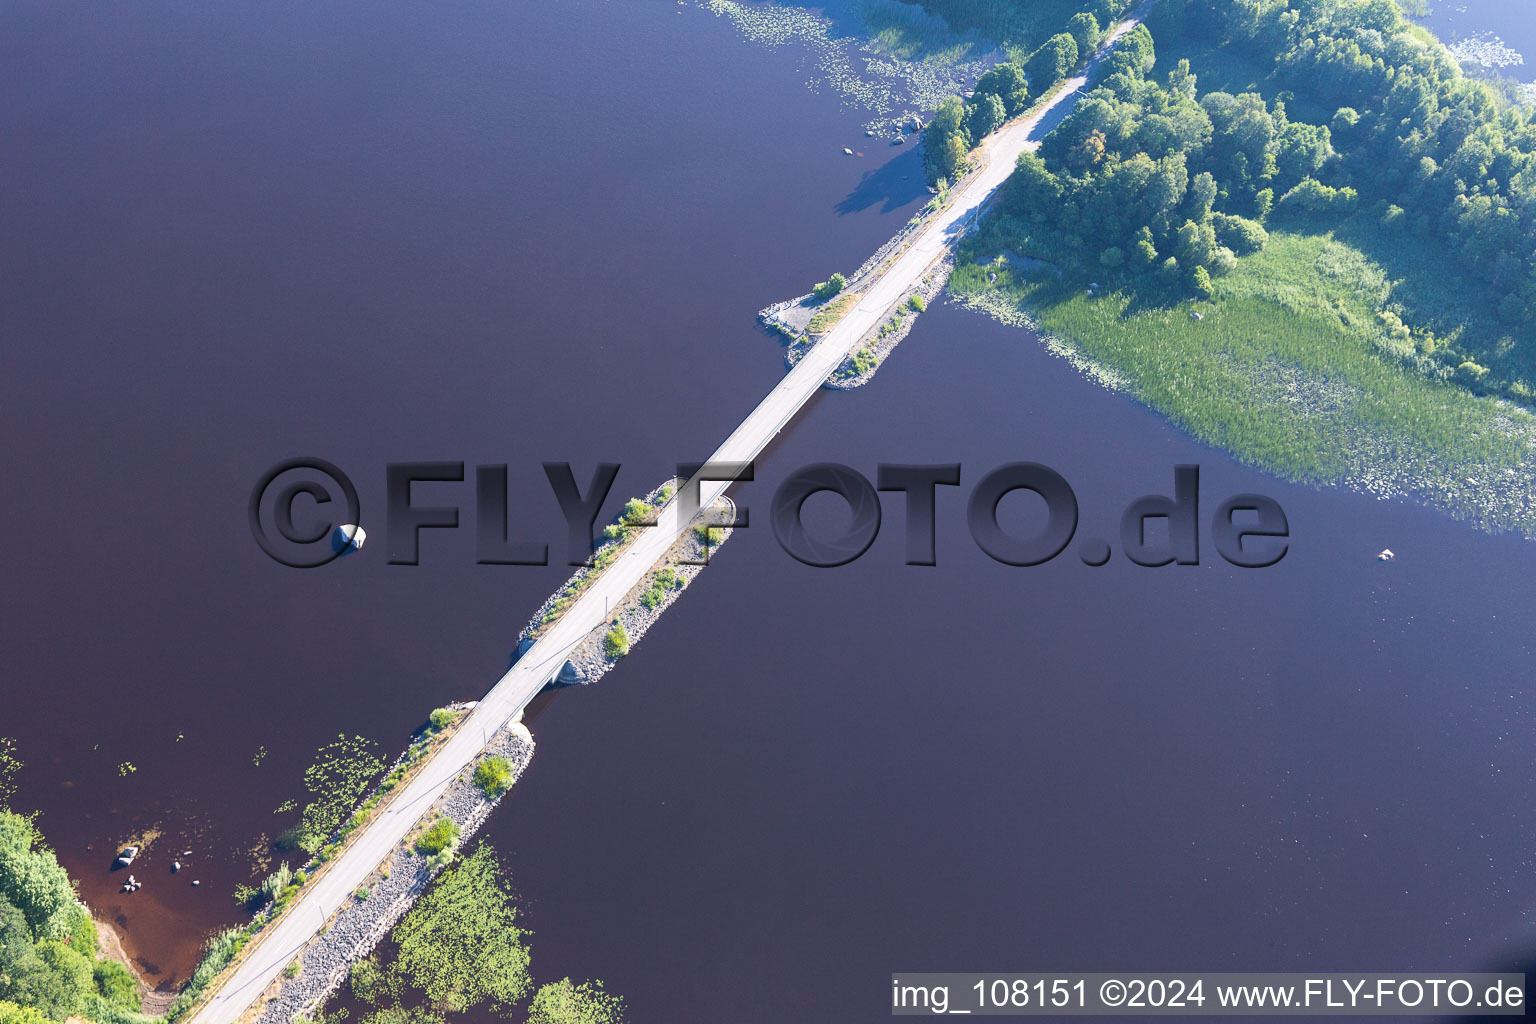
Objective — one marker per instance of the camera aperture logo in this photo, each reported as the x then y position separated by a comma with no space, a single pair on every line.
1250,531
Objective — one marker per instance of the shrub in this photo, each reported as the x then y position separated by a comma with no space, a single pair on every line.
10,1013
636,512
616,643
79,930
1241,235
1223,262
830,287
1112,257
493,776
916,303
275,884
117,985
1470,372
442,718
1311,198
1200,283
437,838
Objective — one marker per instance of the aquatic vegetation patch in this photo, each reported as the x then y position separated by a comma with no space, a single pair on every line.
1485,50
341,773
10,764
1289,369
896,61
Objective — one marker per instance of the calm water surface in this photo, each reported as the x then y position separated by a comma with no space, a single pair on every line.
514,233
1513,21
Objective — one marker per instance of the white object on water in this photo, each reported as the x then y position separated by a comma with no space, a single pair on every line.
352,536
847,151
1387,554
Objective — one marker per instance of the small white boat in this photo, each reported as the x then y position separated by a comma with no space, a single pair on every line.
847,151
1386,555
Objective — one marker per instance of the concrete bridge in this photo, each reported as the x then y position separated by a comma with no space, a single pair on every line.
276,947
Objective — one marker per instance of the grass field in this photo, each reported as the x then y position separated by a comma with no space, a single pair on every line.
1289,369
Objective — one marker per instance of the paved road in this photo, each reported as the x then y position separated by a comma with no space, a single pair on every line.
543,660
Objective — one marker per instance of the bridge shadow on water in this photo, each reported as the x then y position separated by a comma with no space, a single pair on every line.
894,185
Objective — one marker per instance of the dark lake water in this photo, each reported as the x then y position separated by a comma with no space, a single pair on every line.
516,233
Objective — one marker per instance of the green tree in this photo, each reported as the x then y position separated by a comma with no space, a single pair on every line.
637,511
1007,82
1182,81
987,115
17,836
1194,244
946,141
1301,150
1241,235
1051,63
1084,30
55,979
561,1002
830,287
15,942
38,886
1263,202
460,946
1200,283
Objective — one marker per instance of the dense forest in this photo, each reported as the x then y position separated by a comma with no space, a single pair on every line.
1152,183
1008,89
49,969
1133,178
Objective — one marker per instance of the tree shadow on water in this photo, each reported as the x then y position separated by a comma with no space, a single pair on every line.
897,183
